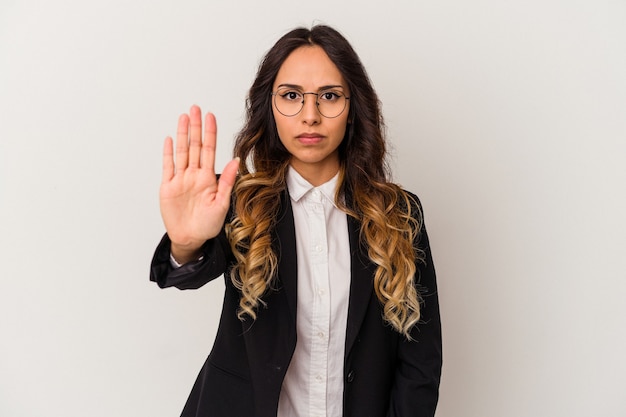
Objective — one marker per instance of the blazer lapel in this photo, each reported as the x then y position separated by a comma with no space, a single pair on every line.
361,283
285,246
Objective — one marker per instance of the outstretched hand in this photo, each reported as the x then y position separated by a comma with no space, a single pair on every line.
193,202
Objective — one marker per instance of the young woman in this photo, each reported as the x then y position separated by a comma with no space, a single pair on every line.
331,301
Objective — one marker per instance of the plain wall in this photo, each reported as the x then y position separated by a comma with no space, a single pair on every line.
507,118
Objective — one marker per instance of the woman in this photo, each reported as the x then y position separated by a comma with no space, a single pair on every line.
330,305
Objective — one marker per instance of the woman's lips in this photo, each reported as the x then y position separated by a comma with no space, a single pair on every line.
309,138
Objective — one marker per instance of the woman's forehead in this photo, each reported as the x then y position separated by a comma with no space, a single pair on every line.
309,67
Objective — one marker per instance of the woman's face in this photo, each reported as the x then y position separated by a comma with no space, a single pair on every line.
311,138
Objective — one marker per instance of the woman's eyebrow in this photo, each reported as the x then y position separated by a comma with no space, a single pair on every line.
299,87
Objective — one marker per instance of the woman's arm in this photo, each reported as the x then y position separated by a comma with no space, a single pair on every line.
215,256
415,390
194,203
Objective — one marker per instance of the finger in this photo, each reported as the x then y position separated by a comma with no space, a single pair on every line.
226,183
182,143
168,160
209,144
195,136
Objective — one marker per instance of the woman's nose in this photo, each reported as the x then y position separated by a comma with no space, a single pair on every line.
310,113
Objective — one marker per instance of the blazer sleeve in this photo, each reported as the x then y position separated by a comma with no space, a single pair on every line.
415,391
216,257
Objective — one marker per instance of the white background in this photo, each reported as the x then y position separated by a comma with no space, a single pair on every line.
507,118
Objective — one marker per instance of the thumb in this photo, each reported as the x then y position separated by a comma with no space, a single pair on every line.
227,182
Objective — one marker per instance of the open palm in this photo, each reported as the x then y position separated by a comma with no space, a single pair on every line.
193,202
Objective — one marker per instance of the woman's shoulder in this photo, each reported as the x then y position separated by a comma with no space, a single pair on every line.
409,199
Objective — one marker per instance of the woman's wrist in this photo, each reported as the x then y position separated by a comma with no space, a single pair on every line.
182,255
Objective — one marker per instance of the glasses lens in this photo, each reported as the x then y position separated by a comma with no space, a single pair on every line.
331,103
288,102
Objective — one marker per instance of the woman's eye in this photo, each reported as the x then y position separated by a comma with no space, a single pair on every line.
329,96
291,95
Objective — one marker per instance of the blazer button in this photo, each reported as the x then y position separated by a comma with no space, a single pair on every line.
350,376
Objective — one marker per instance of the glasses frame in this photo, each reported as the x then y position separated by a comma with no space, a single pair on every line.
317,103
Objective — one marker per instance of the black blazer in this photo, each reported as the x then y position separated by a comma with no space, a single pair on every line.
385,375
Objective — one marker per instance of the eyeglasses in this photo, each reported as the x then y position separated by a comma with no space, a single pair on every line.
330,103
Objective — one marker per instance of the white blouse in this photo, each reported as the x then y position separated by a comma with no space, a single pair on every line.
313,385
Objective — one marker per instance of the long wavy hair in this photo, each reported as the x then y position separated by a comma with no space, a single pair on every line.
389,218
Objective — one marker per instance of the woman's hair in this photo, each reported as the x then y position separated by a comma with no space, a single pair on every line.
389,217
